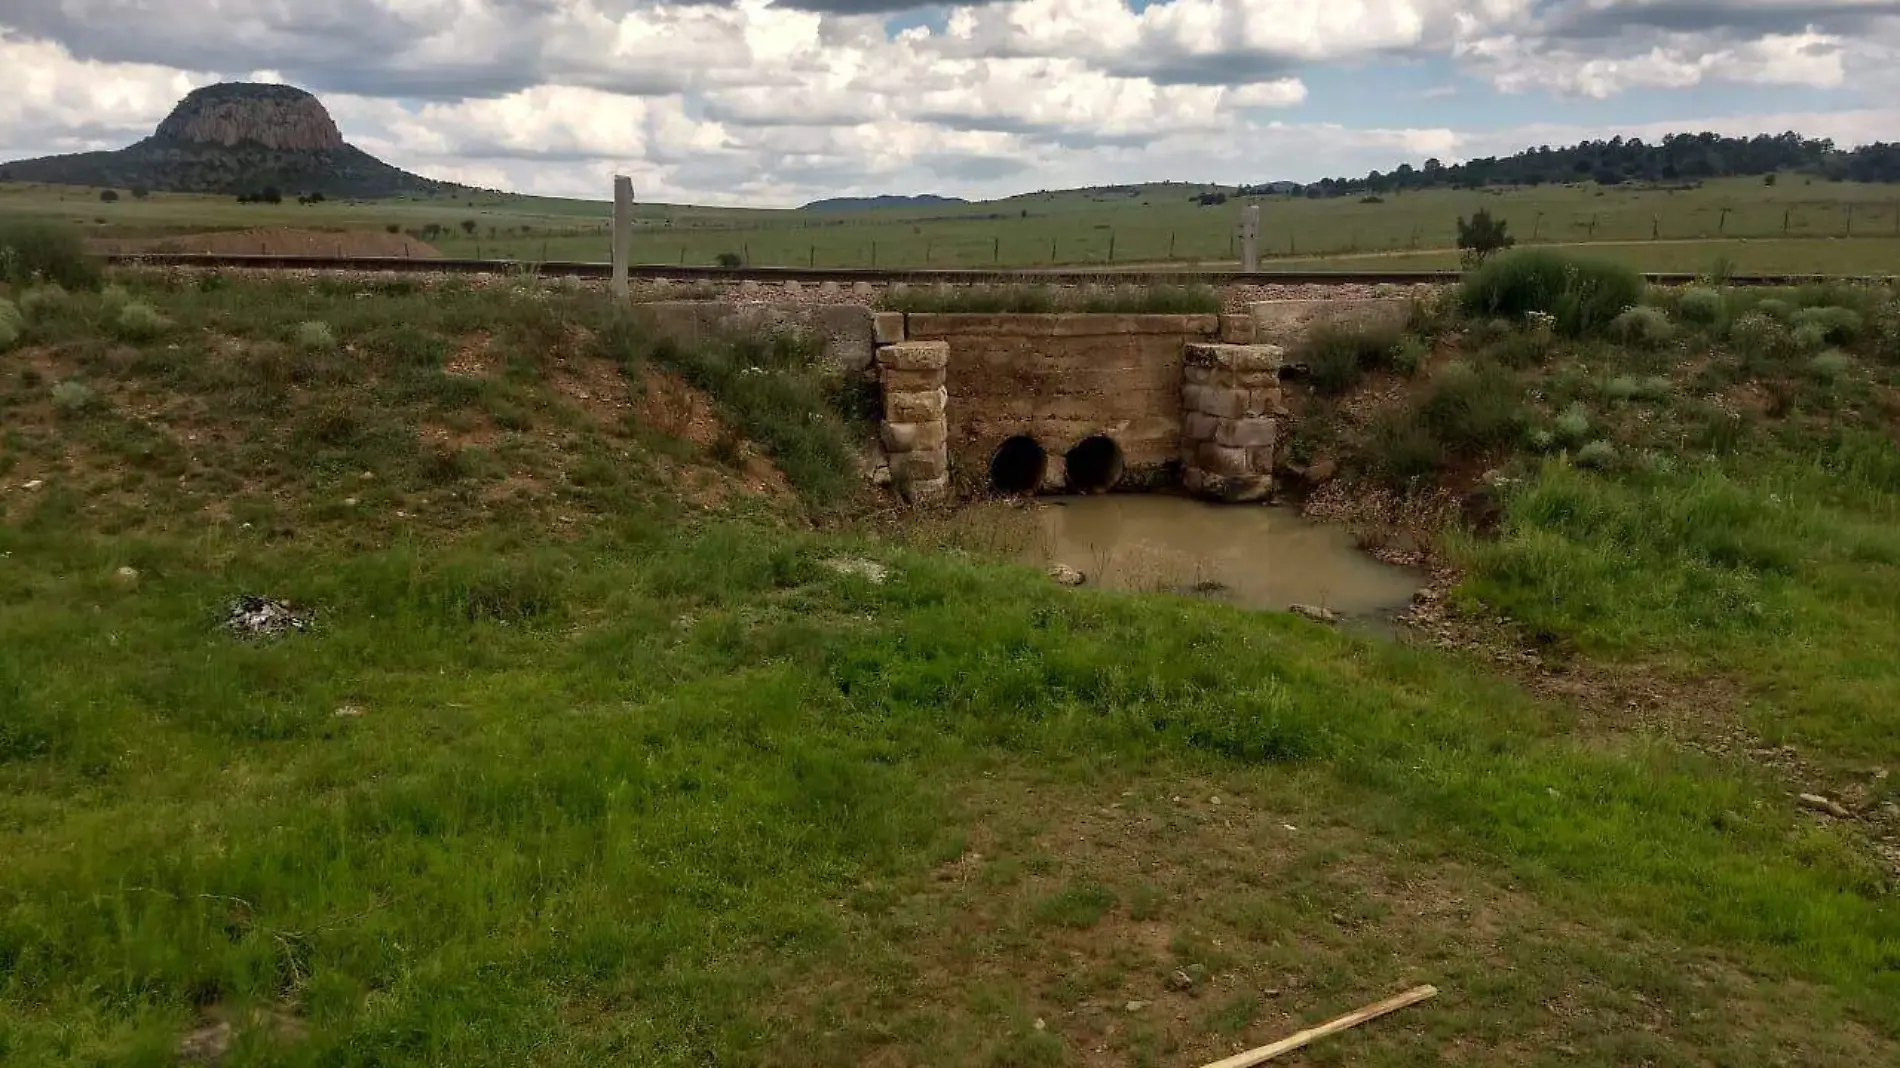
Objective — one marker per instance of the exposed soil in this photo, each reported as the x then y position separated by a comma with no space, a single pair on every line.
275,241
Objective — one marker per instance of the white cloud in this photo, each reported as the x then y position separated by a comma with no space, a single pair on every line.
1517,65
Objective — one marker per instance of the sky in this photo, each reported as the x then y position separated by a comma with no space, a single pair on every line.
778,102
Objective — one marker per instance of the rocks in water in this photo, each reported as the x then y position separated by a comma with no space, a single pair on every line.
261,617
1064,575
1314,613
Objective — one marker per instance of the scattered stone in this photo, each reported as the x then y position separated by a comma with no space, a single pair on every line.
1066,575
348,711
32,483
1828,805
1314,613
126,576
1040,1026
1270,992
260,617
1137,1006
349,502
368,476
1180,980
870,570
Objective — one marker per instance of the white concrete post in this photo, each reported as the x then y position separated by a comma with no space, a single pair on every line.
1250,238
623,233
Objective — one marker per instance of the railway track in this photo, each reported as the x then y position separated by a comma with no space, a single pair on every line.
849,275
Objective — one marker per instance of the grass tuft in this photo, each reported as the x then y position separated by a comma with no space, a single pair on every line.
138,321
1583,296
33,252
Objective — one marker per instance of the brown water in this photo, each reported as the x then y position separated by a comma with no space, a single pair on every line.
1247,555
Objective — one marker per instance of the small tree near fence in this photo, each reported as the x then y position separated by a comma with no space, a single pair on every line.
1482,237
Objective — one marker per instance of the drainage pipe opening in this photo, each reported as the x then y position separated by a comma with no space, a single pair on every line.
1094,465
1018,466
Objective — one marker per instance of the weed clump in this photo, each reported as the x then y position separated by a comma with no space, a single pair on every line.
11,323
139,322
1337,355
1400,450
1830,367
1758,335
1702,306
1475,407
33,252
1643,327
1836,326
1584,296
49,298
74,398
1572,427
1409,355
1631,388
1598,456
315,336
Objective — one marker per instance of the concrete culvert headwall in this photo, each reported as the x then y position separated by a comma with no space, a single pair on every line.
1094,465
1018,466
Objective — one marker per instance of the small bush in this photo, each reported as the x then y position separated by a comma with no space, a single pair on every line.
72,398
1702,306
114,297
35,251
43,300
1830,367
1809,337
1838,326
139,322
1643,327
1756,335
1474,406
9,325
1400,450
1409,355
1775,308
1583,295
1629,388
315,336
729,259
1598,455
1338,354
1572,427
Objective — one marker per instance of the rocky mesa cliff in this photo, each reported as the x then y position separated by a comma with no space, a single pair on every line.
236,137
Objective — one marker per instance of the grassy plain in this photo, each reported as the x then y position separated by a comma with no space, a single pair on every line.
1786,227
591,756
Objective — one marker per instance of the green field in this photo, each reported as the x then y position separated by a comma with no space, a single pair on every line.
1797,225
594,755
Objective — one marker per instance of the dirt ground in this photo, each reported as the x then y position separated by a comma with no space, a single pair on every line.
278,242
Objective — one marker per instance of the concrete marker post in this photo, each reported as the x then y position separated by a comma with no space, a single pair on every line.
623,234
1250,238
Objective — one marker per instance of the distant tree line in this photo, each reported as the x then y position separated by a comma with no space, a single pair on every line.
1676,158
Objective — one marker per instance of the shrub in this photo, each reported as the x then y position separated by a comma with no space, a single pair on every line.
1474,406
1809,337
1598,455
1775,308
1628,388
729,259
1409,355
468,226
1338,354
36,251
1400,450
1830,367
114,297
1758,336
1643,327
1838,326
47,299
1702,306
140,322
1482,237
1584,295
1572,427
74,398
392,228
9,325
315,336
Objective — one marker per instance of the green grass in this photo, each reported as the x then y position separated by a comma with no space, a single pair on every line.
1791,227
603,776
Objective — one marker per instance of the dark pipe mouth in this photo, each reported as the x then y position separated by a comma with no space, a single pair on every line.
1018,466
1094,465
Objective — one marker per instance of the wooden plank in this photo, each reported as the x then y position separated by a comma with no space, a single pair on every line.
1352,1019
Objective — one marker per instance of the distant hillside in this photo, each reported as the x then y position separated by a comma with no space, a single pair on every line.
235,137
1677,157
926,200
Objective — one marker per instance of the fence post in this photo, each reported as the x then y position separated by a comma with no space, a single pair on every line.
1786,215
1170,244
996,250
811,257
745,253
1111,246
1850,219
623,234
874,255
1052,251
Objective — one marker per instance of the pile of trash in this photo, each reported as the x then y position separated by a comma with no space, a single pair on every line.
261,617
